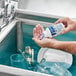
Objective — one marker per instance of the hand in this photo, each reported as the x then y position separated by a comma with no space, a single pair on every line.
70,25
37,31
45,42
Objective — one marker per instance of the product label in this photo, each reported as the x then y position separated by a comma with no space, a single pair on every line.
56,29
52,30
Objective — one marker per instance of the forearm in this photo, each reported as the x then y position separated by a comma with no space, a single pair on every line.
68,46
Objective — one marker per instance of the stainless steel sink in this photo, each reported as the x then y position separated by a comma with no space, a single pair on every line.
6,74
28,12
11,71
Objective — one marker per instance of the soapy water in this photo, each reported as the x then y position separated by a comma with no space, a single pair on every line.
48,67
51,68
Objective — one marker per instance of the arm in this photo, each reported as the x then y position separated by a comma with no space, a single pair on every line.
68,46
52,43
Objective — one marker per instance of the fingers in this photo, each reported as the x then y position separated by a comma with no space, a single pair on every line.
59,21
63,20
37,31
65,30
66,21
34,33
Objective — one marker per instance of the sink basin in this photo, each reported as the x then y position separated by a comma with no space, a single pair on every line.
8,46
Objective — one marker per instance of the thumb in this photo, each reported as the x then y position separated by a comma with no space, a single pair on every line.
65,30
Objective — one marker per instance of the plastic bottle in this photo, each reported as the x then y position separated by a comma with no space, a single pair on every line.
52,31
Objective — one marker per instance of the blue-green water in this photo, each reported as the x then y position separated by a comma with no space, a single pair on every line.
8,47
18,61
54,68
64,65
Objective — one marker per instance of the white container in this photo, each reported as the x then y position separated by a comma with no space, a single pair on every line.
52,31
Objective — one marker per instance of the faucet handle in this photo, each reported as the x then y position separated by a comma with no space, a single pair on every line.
6,10
2,3
0,13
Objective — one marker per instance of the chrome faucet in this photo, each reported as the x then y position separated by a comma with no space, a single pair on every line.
4,17
7,17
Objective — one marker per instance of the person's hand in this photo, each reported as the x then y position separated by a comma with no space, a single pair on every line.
45,42
70,25
37,31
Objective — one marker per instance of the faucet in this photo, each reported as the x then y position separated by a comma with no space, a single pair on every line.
7,17
4,17
2,5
